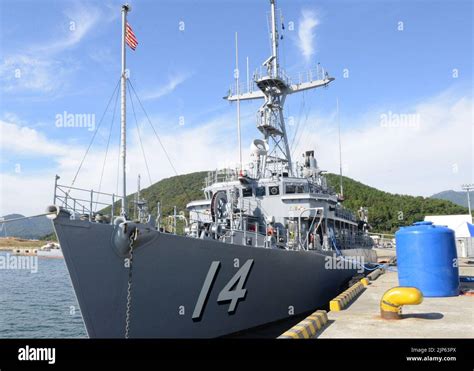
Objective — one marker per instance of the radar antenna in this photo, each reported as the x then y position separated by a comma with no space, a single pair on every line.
273,88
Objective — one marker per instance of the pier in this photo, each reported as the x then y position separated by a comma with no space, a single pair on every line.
435,317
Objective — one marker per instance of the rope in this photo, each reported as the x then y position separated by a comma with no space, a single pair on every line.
118,166
106,150
93,137
308,139
302,105
353,261
159,140
301,133
140,137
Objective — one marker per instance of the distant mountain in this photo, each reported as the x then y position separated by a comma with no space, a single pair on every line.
387,212
456,197
34,228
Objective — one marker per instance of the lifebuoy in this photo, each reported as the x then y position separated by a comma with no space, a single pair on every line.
270,231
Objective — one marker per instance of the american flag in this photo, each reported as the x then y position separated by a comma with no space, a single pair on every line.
130,38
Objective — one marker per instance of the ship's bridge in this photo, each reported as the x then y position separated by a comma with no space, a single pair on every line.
277,196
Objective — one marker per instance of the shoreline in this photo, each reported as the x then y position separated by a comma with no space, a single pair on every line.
12,243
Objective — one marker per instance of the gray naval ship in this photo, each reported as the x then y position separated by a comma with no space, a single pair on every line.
268,242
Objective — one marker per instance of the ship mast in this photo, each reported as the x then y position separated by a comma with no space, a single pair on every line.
273,89
274,38
271,122
123,114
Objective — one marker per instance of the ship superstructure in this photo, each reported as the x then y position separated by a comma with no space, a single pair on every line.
275,202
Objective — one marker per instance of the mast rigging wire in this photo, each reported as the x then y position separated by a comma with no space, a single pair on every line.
302,105
93,137
302,131
159,140
107,149
139,136
118,166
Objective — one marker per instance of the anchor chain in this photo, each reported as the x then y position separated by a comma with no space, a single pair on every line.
133,237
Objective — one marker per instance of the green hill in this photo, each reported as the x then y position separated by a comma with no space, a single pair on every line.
387,212
175,191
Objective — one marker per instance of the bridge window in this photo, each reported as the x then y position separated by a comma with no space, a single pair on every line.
260,191
290,188
247,192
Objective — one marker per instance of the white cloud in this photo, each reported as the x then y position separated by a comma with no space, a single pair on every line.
13,117
35,74
190,149
173,82
42,67
25,140
80,21
305,42
435,155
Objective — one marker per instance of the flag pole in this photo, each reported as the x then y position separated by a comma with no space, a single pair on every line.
123,115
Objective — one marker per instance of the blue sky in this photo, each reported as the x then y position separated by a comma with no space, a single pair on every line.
423,69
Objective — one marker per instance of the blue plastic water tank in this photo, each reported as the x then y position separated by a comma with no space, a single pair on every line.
427,259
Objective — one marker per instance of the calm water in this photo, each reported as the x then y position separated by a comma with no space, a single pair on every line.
39,305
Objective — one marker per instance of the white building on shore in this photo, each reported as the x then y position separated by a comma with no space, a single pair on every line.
463,230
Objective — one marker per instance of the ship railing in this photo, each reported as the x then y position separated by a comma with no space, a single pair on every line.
171,220
250,226
345,214
220,176
248,205
87,203
313,74
317,218
351,241
281,74
244,87
249,86
275,166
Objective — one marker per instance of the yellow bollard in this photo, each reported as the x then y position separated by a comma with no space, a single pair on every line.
393,300
334,306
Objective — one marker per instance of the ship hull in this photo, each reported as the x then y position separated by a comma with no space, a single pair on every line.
176,278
